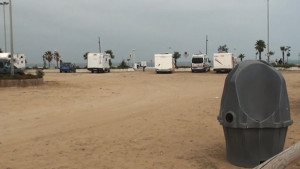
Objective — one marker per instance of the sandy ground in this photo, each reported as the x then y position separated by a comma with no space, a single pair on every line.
128,120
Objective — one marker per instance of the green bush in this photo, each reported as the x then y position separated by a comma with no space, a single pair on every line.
285,65
123,65
39,74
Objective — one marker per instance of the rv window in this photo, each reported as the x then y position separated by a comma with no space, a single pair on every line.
197,60
1,65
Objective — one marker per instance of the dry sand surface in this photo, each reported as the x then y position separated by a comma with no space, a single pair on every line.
128,120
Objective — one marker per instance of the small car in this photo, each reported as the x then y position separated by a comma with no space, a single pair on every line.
5,68
67,67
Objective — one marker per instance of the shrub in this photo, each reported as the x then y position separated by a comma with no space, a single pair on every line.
123,65
40,73
285,65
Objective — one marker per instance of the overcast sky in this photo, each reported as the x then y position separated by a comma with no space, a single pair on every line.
72,27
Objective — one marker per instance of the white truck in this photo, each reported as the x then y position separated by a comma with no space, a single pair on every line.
19,59
200,62
164,63
224,62
98,62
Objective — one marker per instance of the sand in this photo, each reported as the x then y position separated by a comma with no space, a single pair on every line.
125,120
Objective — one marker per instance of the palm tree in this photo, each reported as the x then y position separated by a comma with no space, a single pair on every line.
282,48
111,55
260,46
44,60
223,49
85,55
288,54
176,56
241,56
49,56
270,54
56,57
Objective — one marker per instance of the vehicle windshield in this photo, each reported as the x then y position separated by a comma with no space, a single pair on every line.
197,60
7,64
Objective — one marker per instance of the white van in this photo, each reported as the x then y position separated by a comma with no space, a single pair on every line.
19,59
164,63
224,62
98,62
200,62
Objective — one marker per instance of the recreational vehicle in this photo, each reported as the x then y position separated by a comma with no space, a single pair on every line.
200,62
224,62
164,63
98,62
19,59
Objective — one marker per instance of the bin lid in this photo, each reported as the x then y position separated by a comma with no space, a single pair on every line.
255,96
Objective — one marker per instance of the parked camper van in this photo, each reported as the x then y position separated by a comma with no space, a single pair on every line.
19,59
98,62
5,67
200,62
224,62
164,63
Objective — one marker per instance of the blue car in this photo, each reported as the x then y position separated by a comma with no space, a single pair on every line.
67,67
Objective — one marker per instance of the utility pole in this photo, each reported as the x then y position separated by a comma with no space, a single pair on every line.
268,46
206,44
4,3
99,45
11,41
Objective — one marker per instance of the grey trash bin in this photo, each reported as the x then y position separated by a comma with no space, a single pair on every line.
255,113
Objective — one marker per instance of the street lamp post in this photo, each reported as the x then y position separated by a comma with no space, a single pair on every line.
298,59
11,41
4,3
133,55
268,47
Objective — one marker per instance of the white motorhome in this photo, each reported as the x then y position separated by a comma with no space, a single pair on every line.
164,63
19,59
200,62
98,62
224,62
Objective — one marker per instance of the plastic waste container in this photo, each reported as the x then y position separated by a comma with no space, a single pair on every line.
255,113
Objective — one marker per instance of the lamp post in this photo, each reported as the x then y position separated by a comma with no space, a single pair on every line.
298,59
4,3
268,46
133,55
11,41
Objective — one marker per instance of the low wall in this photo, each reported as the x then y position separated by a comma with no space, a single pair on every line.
21,82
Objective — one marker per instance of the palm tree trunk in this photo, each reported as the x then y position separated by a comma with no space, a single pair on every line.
283,56
259,55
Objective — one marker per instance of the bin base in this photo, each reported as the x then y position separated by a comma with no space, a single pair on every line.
251,147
